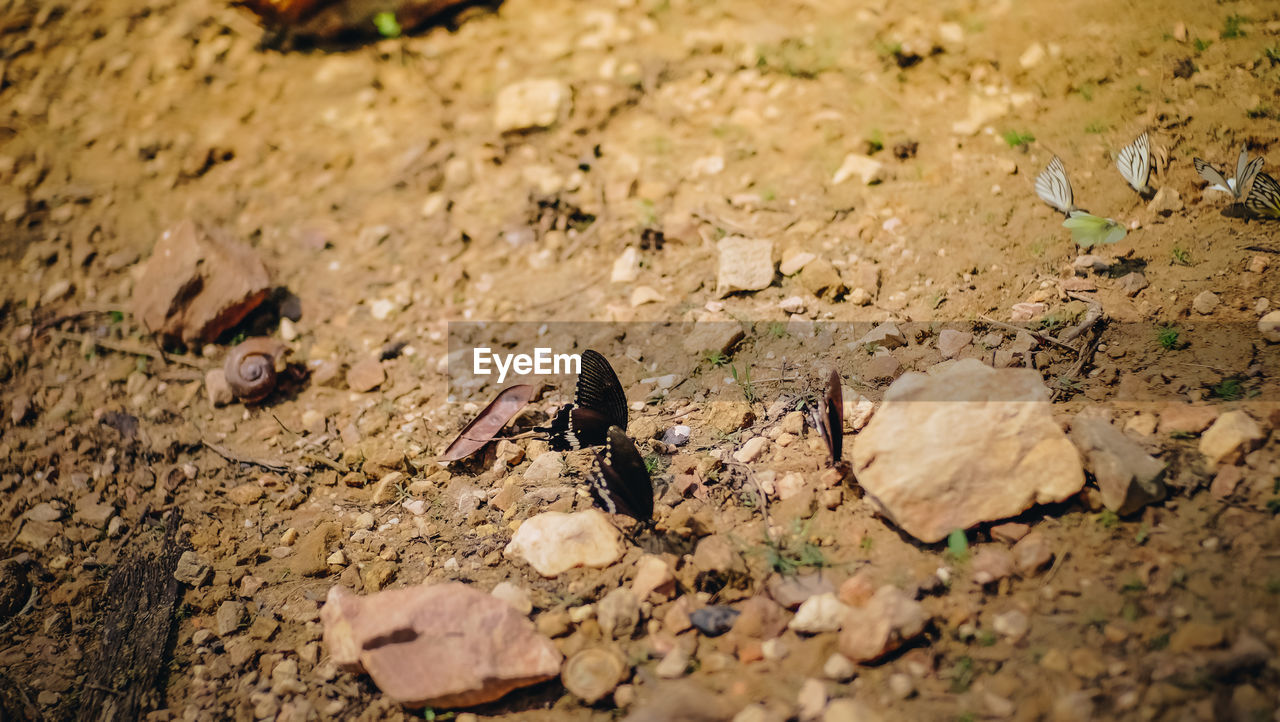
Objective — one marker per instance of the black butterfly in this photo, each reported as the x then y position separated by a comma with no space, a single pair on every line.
598,403
620,482
828,418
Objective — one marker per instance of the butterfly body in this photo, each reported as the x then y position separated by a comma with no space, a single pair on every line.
1264,197
1090,230
1246,171
1134,163
599,403
620,482
828,419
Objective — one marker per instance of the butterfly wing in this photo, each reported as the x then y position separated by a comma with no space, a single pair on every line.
1054,188
599,402
1215,178
833,417
1245,177
1264,197
599,389
1090,230
1134,162
620,482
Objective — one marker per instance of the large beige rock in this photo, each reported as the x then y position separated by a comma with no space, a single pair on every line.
746,264
964,445
554,542
446,645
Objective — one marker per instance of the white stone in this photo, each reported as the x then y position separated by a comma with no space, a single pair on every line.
964,445
1205,302
555,542
1269,327
529,104
793,261
751,450
1233,435
839,668
867,169
794,304
645,294
818,614
626,268
1032,56
515,595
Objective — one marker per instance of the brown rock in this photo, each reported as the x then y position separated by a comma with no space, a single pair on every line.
729,416
215,384
366,375
991,564
1127,476
792,590
888,619
821,279
1186,419
310,553
760,618
445,645
245,494
1009,532
1032,553
198,283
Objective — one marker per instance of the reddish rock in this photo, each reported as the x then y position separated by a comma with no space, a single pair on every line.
198,283
991,564
1009,532
446,645
1186,419
1032,553
883,624
366,375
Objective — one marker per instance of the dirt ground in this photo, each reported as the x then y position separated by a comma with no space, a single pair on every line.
374,183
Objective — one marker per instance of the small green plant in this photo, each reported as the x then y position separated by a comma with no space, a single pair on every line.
1016,140
798,57
986,638
743,380
1231,27
1107,519
655,464
238,339
793,550
433,716
1273,585
1168,338
1133,585
962,675
1130,612
1182,435
1273,505
777,329
1229,389
875,142
387,25
1201,45
1144,532
958,545
1097,127
1158,642
1181,256
1272,54
115,316
646,213
967,717
715,358
1259,112
866,543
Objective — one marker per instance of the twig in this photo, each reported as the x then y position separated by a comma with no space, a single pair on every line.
164,359
31,600
325,461
122,348
1091,317
1034,334
226,454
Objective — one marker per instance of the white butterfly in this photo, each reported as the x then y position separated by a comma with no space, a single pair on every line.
1053,187
1134,163
1246,170
1264,197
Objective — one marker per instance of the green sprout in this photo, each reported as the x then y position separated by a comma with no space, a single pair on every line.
958,545
386,24
1016,139
1231,27
1168,338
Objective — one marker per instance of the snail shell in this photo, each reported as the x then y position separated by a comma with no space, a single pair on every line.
252,366
594,673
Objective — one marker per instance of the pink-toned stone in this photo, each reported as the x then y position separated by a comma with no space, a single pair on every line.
653,576
1186,419
1009,532
1225,481
992,563
198,283
445,645
1032,553
366,375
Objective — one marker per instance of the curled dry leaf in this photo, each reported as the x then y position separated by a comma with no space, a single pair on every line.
252,367
489,422
594,673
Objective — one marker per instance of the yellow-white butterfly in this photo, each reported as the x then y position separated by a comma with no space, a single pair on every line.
1134,163
1246,170
1264,197
1053,187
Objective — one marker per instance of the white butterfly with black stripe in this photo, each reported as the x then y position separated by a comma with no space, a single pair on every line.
1246,171
1054,188
1134,163
1264,197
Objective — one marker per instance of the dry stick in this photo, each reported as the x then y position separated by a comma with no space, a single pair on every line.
325,461
764,500
1034,334
226,454
164,360
121,347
